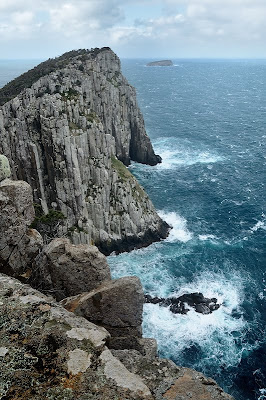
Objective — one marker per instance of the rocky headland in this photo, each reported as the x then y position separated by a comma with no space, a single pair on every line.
161,63
67,331
70,127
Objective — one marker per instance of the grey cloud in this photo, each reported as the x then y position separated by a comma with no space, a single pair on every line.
184,28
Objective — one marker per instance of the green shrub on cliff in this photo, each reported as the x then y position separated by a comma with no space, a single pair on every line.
47,224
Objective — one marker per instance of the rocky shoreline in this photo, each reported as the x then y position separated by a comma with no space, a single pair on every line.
72,332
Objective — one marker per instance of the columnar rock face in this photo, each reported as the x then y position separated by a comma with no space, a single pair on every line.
64,269
67,134
18,243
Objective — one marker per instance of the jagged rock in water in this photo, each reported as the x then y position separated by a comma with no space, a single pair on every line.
177,305
19,244
67,131
117,305
5,171
47,352
64,269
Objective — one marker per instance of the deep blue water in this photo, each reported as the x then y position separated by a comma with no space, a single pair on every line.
207,119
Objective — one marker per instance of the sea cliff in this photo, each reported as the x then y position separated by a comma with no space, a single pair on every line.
70,127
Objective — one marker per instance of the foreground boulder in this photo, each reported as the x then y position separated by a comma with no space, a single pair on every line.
64,269
49,353
18,243
117,305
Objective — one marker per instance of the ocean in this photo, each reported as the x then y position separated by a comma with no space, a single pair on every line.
207,120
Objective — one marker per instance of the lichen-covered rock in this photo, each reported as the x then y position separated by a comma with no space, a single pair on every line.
64,269
47,352
168,381
18,243
5,171
117,305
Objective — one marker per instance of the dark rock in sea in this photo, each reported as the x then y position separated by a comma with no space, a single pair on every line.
177,305
162,63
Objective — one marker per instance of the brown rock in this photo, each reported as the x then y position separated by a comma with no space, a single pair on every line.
65,269
193,385
116,305
168,381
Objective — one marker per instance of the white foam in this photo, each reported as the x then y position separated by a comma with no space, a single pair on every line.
175,154
215,334
179,231
258,225
208,237
262,394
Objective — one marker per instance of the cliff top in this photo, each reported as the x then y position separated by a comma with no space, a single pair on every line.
14,87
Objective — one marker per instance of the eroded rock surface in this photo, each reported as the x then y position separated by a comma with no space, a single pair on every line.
66,134
64,269
168,381
117,305
18,243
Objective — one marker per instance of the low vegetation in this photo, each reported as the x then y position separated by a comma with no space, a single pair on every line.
26,80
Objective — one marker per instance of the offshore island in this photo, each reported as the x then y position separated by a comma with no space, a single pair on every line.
69,128
162,63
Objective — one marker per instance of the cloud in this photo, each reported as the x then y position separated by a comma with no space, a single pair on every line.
183,28
82,16
227,28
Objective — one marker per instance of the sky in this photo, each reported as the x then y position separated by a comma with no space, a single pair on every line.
40,29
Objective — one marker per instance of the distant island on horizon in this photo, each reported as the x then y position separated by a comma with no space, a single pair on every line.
161,63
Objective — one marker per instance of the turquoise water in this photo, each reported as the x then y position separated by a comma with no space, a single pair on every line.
207,119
